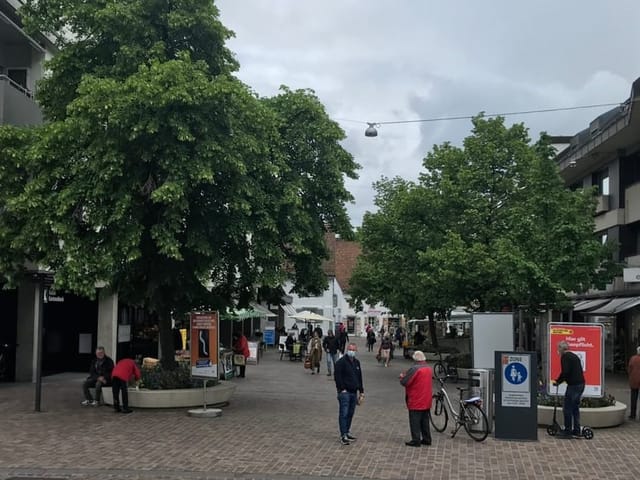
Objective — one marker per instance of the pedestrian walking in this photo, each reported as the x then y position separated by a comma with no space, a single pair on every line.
418,389
348,378
330,346
385,349
314,350
633,370
574,376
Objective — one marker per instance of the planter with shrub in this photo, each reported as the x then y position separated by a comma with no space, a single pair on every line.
594,412
174,389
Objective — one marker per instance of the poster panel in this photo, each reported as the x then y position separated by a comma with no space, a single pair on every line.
204,344
586,340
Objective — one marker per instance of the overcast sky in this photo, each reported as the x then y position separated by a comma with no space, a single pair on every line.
413,59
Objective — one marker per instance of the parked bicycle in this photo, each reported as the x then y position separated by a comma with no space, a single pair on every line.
469,414
442,369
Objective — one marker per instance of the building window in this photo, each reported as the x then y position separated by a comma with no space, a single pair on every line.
601,180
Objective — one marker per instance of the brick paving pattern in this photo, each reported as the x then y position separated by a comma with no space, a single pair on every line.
282,425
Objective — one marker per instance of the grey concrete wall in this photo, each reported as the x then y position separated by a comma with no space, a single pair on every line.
28,317
17,108
108,321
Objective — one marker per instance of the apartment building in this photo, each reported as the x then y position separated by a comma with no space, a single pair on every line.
606,155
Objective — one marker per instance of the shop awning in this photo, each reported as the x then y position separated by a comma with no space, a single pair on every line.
615,306
583,305
263,310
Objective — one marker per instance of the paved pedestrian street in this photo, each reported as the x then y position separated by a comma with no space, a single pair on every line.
282,424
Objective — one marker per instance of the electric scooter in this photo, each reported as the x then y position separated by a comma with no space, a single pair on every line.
554,428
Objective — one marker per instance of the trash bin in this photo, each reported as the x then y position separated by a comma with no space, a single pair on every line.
481,385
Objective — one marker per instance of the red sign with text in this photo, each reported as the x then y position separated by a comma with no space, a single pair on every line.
586,340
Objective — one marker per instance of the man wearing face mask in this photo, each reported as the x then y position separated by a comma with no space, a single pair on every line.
348,378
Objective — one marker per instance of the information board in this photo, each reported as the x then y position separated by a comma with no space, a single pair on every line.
516,408
204,344
586,340
269,336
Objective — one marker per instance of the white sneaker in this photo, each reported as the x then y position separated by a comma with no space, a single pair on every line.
85,403
94,403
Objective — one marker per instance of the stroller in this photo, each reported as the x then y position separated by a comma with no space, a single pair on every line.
554,428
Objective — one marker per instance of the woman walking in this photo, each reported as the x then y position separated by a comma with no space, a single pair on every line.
315,352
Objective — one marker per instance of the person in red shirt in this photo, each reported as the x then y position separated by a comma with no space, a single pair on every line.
124,370
241,347
418,387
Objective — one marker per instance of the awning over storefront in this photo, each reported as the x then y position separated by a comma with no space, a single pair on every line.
583,305
615,306
263,310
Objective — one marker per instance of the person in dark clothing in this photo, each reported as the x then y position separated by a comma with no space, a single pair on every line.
330,346
418,338
343,338
319,331
371,339
99,376
348,378
574,376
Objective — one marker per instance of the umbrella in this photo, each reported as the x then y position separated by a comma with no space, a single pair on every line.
308,316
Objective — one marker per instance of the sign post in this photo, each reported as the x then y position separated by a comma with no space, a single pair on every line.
516,407
586,340
204,345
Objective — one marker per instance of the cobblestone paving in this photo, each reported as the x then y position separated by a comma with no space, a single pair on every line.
281,425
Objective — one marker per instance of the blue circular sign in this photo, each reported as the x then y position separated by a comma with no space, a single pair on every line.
515,373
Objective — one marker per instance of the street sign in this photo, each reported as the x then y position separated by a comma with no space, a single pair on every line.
586,340
516,407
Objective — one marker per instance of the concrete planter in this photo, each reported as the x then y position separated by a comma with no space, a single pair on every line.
178,398
591,417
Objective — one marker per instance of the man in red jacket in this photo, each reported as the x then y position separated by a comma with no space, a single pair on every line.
124,370
418,388
241,347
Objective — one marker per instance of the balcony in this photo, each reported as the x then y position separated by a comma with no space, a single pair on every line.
602,204
17,106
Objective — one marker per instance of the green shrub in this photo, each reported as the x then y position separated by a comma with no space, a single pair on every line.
156,378
549,400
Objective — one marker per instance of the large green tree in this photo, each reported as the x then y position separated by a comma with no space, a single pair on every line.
488,225
159,172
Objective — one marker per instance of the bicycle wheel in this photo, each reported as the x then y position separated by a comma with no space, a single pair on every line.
475,422
438,414
439,371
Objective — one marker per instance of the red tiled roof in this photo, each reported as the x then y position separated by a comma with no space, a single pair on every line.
342,259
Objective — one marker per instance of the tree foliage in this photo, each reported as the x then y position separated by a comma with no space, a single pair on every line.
487,225
159,172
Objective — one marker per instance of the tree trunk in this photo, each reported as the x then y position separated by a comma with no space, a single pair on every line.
432,331
167,352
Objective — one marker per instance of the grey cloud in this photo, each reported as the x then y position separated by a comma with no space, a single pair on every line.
408,59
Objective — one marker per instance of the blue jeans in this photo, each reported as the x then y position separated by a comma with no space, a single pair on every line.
571,408
331,361
347,401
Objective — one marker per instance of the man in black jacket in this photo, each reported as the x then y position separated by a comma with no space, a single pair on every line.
99,376
330,346
572,374
348,378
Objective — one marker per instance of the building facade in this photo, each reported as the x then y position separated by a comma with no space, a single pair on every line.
606,155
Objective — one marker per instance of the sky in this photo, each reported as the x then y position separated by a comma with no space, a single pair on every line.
377,61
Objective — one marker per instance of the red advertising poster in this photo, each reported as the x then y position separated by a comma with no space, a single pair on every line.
586,340
204,344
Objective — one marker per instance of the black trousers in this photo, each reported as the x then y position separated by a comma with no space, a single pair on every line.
118,386
634,402
419,425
